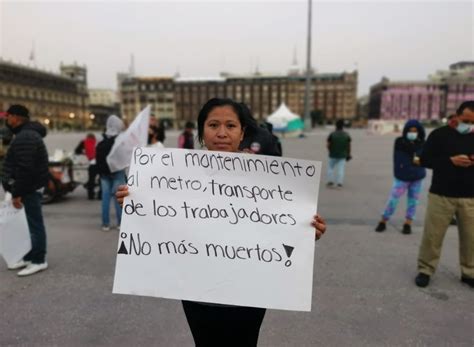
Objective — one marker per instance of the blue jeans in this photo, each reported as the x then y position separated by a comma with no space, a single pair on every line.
109,186
336,166
34,217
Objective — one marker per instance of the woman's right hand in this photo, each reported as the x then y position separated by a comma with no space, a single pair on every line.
122,192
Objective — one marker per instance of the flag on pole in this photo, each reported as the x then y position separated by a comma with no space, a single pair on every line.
135,136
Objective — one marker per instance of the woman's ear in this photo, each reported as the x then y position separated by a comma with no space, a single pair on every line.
242,134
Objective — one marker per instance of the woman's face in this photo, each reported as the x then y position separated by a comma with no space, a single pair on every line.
222,130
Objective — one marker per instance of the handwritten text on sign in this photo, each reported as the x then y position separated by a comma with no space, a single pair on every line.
219,227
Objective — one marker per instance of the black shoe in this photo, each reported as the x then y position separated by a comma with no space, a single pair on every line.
339,185
406,229
469,281
381,227
329,184
422,280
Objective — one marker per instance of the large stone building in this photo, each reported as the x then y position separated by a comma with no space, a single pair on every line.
57,100
137,92
180,99
433,99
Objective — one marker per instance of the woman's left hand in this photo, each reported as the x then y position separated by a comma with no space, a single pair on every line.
319,225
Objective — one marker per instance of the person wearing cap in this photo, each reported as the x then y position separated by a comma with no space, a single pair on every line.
25,176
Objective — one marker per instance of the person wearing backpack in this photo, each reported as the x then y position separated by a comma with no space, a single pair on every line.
109,181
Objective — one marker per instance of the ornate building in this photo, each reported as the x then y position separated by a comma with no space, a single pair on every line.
57,100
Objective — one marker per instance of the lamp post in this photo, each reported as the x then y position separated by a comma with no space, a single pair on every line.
307,90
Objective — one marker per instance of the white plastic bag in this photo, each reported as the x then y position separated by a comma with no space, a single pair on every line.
15,240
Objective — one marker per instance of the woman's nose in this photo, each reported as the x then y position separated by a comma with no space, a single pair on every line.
221,131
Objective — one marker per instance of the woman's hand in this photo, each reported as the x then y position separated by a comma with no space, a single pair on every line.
122,192
319,225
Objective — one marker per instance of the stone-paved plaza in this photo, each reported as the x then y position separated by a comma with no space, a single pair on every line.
363,288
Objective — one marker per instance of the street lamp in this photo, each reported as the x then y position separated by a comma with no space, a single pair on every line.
307,114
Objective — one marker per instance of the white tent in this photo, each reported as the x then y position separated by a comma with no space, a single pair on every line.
285,121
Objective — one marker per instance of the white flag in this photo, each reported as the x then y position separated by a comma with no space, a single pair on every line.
135,136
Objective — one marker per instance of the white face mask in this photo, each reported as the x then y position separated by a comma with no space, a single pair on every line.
464,128
412,136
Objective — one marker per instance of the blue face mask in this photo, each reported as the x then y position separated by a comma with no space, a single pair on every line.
412,136
463,128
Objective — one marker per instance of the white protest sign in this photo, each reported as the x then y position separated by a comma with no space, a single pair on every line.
228,228
15,240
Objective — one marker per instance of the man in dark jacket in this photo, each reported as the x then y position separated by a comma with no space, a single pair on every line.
25,175
449,151
339,148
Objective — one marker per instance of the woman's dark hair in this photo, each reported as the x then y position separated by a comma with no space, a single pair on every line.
246,119
159,133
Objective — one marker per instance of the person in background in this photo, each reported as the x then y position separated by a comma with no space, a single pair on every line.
87,147
408,175
222,124
157,137
258,140
449,152
25,176
339,147
186,139
109,181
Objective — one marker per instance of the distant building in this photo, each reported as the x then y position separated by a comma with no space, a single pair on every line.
55,99
180,99
102,103
433,99
135,93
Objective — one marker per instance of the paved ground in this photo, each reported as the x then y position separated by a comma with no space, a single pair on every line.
363,283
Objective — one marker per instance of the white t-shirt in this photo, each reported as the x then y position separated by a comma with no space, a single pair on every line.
156,145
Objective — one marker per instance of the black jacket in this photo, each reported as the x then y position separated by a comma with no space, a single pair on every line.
101,152
449,180
26,163
404,152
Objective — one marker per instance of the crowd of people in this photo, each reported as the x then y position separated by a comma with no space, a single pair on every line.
226,125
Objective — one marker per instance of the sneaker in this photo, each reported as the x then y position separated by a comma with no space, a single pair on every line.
422,280
19,265
468,280
329,184
339,185
381,227
105,228
32,269
406,229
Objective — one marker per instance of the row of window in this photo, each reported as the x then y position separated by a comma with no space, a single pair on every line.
38,95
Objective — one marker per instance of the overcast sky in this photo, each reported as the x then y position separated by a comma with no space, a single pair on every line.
401,40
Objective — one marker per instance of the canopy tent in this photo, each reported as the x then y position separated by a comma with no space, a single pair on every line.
286,122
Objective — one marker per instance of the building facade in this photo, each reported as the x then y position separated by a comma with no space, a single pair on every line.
135,93
182,98
57,100
433,99
102,103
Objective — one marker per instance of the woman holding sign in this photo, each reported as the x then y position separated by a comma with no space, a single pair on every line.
222,124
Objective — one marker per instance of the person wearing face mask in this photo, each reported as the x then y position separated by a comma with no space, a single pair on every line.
408,175
449,152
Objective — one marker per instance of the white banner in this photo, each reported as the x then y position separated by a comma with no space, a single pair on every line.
135,136
228,228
